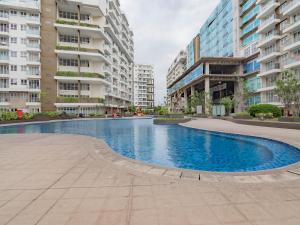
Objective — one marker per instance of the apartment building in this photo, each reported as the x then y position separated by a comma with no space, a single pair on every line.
144,86
20,55
249,42
86,57
177,68
279,44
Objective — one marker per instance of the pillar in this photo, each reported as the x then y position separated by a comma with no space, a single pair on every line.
192,90
207,68
185,99
207,96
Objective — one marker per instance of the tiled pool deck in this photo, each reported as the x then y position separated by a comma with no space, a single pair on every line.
67,179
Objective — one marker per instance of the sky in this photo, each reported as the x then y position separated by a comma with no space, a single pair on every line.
161,29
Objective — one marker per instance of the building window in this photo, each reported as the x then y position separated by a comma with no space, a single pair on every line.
13,40
13,67
13,82
13,26
68,62
23,82
13,54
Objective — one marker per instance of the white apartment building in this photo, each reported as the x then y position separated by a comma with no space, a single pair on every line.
92,60
20,55
177,68
119,50
279,43
144,86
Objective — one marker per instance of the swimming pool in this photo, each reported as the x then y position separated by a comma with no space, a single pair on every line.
176,146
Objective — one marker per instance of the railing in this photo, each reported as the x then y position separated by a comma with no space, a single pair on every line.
34,32
268,52
4,29
268,20
79,100
290,5
267,5
292,59
33,46
23,3
4,57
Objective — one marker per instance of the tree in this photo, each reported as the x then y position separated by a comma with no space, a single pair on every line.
287,89
241,94
228,103
132,109
197,99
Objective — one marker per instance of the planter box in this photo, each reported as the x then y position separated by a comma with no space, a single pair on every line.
290,119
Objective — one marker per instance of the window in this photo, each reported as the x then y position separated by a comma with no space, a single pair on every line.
23,27
23,41
13,54
23,68
13,82
23,82
84,40
13,40
13,67
68,15
34,84
68,62
84,17
68,86
23,13
13,26
23,54
13,12
67,38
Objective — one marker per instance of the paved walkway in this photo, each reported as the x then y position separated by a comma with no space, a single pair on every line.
60,180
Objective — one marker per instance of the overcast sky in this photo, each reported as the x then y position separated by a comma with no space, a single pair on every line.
161,29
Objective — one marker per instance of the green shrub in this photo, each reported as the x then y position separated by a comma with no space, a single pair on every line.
52,114
265,108
8,116
241,115
28,116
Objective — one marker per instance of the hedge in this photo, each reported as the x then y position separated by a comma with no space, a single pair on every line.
265,108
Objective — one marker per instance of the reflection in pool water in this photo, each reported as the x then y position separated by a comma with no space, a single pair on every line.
176,146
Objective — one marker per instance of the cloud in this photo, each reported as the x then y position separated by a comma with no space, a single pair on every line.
161,29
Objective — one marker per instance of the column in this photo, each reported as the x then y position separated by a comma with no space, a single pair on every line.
192,90
207,68
185,99
207,96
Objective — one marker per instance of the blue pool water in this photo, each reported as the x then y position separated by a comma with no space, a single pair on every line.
176,146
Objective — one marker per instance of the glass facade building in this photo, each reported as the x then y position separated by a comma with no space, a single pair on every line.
217,34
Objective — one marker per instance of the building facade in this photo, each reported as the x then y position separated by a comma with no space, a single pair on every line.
177,68
144,86
193,52
20,55
87,57
262,35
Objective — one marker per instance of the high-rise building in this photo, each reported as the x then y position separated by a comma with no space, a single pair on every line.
86,56
177,68
144,86
193,52
279,44
20,55
260,38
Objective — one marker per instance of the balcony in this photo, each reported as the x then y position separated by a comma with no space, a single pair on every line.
268,24
4,58
292,8
33,47
35,33
65,26
82,76
86,53
275,36
76,101
21,4
4,45
292,27
268,55
292,44
270,70
268,8
4,31
33,20
292,62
